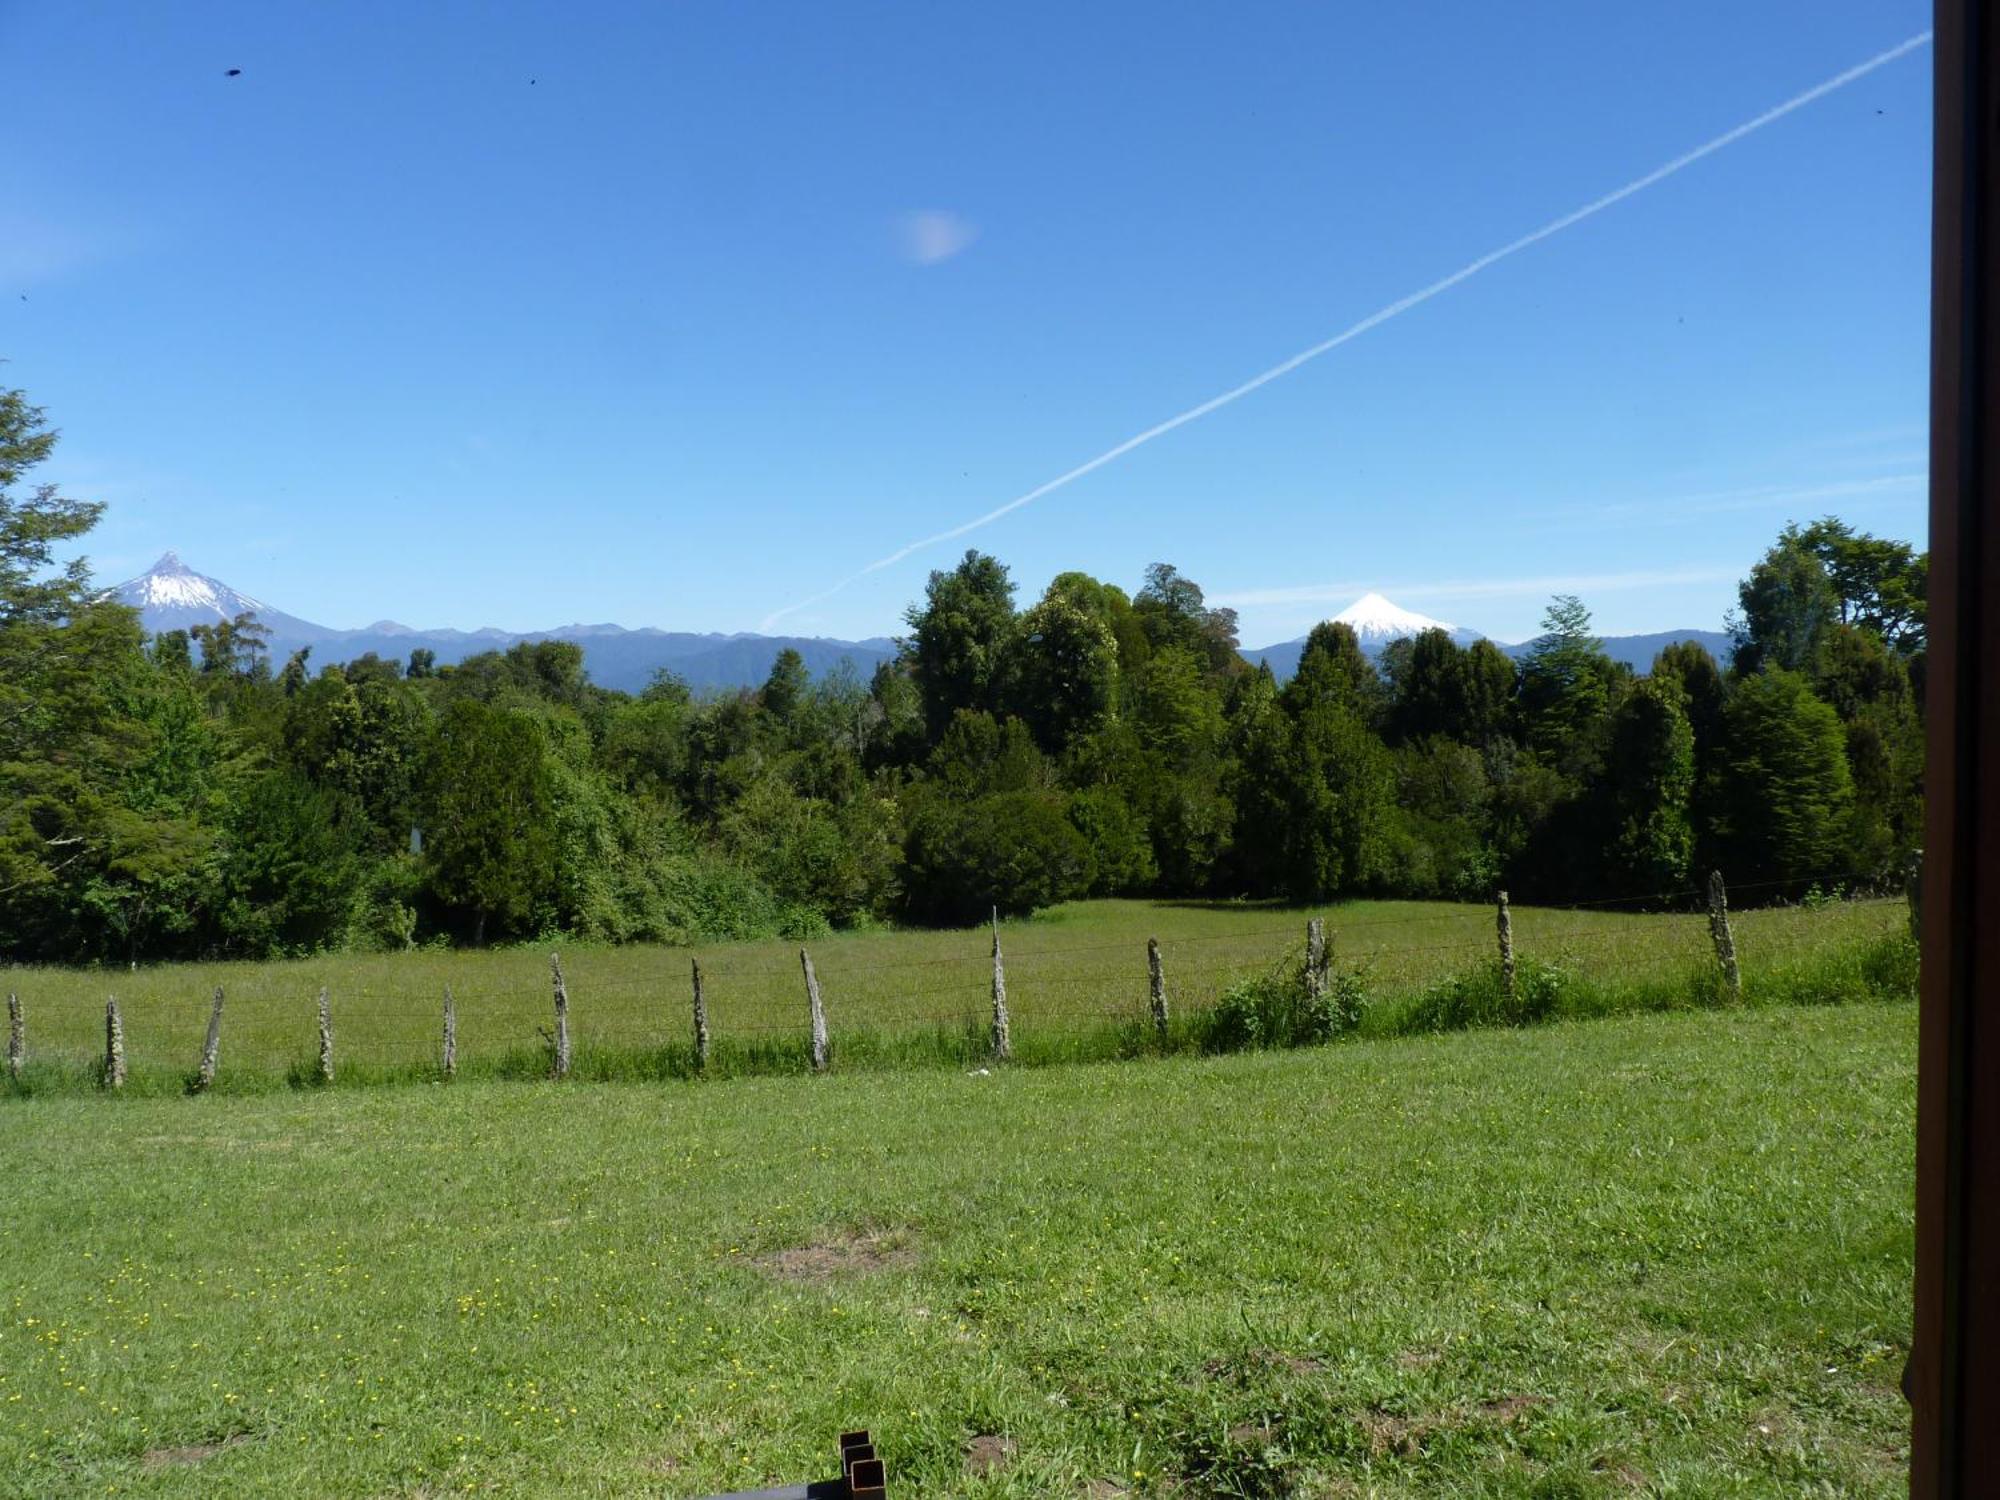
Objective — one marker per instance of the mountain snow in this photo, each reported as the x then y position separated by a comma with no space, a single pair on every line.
170,586
1375,620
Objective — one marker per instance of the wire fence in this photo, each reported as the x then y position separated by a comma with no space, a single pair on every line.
631,1009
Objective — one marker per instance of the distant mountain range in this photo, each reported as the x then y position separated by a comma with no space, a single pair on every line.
1376,622
172,596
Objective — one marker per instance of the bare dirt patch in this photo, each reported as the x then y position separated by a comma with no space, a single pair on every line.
847,1252
191,1453
1263,1359
989,1453
1405,1436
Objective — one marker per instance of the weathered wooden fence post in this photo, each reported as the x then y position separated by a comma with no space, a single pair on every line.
1157,981
562,1015
1913,888
1724,939
700,1021
211,1047
114,1044
1003,1037
1504,920
17,1036
449,1062
818,1012
325,1037
1318,962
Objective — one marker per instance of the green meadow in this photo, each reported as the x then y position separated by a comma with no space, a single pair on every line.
1662,1254
1076,983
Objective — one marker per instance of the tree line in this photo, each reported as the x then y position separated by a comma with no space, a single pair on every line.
185,795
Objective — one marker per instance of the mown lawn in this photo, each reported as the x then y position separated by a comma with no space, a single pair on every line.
1667,1254
1073,975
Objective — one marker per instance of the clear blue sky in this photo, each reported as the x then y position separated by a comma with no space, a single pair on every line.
673,315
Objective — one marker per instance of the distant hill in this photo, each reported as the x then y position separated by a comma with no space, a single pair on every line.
1377,622
172,596
1638,651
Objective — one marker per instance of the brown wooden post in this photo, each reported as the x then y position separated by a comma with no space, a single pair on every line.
17,1037
1317,961
325,1037
700,1021
1954,1373
448,1063
1003,1037
1913,890
817,1013
1724,939
114,1044
211,1048
1157,983
1504,919
562,1015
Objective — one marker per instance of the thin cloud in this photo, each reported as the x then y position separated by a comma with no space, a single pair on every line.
1476,588
931,236
1375,319
1667,510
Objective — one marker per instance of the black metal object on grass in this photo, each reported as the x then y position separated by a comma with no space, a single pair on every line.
861,1477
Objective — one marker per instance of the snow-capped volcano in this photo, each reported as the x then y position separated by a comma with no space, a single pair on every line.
172,596
1376,622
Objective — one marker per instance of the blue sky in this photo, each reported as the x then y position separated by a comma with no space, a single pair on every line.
677,315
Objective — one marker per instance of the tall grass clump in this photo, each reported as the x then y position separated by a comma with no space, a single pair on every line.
1279,1009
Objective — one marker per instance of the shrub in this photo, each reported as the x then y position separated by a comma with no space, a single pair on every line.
1479,998
1277,1010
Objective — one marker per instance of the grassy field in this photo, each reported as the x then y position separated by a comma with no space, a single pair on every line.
1076,979
1665,1255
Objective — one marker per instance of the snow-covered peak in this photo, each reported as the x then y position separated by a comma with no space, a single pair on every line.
1373,618
170,586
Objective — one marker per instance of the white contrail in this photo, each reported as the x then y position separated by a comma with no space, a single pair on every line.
1375,319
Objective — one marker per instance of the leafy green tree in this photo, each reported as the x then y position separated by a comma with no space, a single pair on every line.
1120,847
1438,828
292,872
1648,787
959,639
1785,793
1065,677
1786,606
978,755
1334,672
488,831
1869,687
1108,603
1569,687
1437,688
1174,615
85,871
784,692
1014,851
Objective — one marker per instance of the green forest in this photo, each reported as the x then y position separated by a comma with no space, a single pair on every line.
186,795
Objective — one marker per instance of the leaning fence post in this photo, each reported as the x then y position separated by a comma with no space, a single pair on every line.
1003,1039
114,1044
818,1012
700,1021
17,1037
562,1015
1317,962
1725,940
210,1047
1157,980
449,1061
1913,887
1504,920
325,1038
